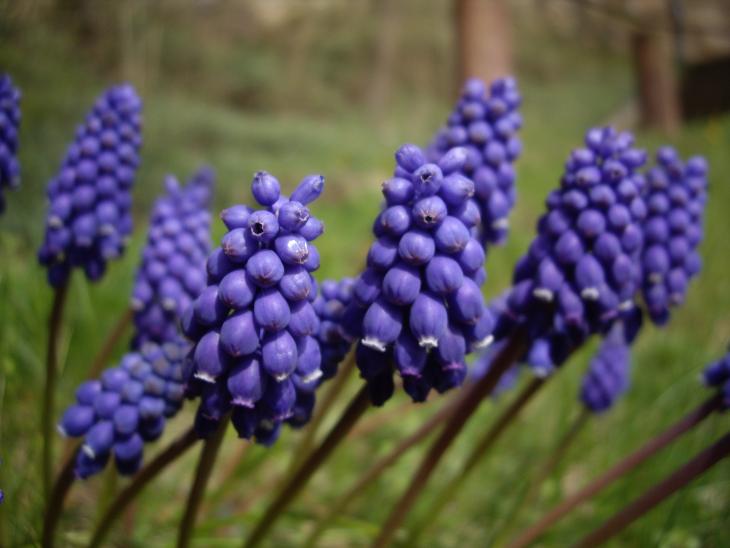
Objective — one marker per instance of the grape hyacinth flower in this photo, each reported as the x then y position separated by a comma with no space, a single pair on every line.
581,272
675,199
9,126
89,216
717,375
331,305
418,308
172,270
607,378
486,123
127,407
255,329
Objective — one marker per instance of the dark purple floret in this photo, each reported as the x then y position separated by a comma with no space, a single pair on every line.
608,375
484,125
331,305
417,309
9,128
675,199
89,217
126,407
172,270
717,375
257,351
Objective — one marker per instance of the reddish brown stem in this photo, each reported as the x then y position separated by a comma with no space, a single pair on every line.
291,488
489,438
208,454
379,467
508,355
60,490
49,397
693,468
623,467
321,410
102,357
150,471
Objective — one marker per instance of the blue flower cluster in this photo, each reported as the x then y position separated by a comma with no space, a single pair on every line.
581,272
254,325
607,378
126,407
717,375
675,199
486,123
419,297
331,305
172,270
89,214
9,126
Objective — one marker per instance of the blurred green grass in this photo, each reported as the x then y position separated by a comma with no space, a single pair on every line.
355,153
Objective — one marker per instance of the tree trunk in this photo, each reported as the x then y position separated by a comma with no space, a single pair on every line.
656,81
484,35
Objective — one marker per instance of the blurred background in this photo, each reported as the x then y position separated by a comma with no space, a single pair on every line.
335,86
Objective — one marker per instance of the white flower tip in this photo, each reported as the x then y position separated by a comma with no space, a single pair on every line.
485,342
374,343
590,294
88,451
205,377
502,223
281,377
543,294
428,342
313,376
61,430
626,305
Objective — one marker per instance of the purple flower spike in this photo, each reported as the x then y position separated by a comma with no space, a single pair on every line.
608,375
484,127
257,328
676,197
128,407
9,127
89,217
422,281
172,270
578,276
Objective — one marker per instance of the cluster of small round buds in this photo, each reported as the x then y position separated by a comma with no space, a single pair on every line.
9,126
607,378
582,271
717,375
126,407
675,198
89,217
255,327
331,305
485,123
172,270
418,308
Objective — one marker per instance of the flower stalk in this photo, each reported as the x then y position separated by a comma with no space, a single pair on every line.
291,488
695,467
474,394
653,446
55,321
175,450
208,455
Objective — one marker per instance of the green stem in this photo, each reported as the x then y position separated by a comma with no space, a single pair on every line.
692,469
291,488
653,446
150,471
55,321
378,468
489,438
208,454
474,394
